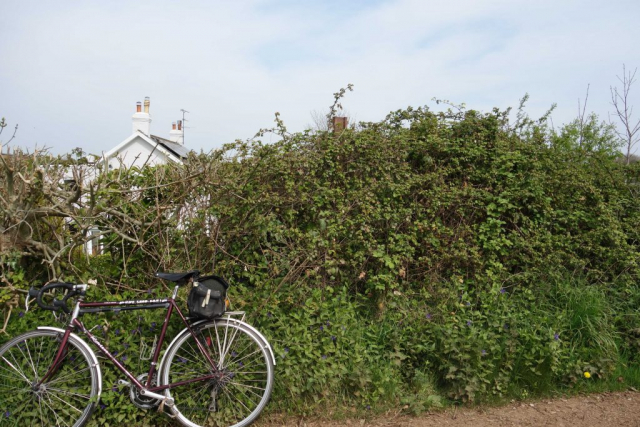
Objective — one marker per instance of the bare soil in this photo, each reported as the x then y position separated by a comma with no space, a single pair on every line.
595,410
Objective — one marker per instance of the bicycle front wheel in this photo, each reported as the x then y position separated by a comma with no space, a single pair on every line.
243,382
67,398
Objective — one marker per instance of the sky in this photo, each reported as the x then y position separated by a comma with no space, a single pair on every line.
71,71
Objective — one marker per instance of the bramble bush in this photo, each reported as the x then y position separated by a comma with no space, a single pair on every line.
428,256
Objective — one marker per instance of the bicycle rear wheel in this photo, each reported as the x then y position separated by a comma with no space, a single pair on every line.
241,390
67,398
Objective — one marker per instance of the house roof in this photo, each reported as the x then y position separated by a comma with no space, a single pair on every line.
172,150
178,150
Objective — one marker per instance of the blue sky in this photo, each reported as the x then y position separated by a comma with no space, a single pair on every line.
71,72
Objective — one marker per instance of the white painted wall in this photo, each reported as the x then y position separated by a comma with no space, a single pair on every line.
141,122
176,136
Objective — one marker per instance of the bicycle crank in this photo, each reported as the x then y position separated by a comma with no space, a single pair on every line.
143,401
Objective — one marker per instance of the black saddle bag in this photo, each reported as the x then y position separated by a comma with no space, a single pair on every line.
207,298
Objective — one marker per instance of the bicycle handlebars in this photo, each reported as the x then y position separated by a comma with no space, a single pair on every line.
57,304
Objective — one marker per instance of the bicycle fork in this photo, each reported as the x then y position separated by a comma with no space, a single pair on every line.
57,361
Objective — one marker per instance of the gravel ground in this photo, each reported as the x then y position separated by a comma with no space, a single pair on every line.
601,410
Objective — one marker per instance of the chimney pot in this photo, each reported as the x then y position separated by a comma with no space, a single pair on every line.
142,121
176,135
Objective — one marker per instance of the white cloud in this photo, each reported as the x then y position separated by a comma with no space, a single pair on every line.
71,73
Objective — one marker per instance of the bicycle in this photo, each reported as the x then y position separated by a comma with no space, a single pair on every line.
214,372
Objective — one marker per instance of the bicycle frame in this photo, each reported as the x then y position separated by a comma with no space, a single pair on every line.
115,306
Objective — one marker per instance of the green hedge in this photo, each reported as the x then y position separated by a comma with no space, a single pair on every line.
426,257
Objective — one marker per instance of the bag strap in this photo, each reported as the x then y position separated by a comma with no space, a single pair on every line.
205,301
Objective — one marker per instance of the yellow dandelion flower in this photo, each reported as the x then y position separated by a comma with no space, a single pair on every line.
587,375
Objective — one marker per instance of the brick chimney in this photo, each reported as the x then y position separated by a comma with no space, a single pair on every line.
176,135
340,124
142,120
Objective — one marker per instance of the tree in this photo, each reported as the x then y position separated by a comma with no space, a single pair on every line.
624,111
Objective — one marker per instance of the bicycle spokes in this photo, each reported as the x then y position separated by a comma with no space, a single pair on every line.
242,378
64,399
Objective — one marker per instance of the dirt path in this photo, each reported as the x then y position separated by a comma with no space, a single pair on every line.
597,410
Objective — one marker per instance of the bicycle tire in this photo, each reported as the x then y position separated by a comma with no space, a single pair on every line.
240,394
67,398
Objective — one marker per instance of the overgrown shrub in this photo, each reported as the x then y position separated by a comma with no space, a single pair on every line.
430,254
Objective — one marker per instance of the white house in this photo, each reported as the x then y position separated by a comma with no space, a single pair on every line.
142,149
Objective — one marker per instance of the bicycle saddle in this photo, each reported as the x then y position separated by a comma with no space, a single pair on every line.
178,278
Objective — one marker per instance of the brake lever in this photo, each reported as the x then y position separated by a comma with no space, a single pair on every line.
33,293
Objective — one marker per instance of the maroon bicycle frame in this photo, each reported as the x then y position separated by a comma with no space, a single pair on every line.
114,306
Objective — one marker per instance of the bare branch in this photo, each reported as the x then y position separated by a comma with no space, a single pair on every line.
624,111
581,116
